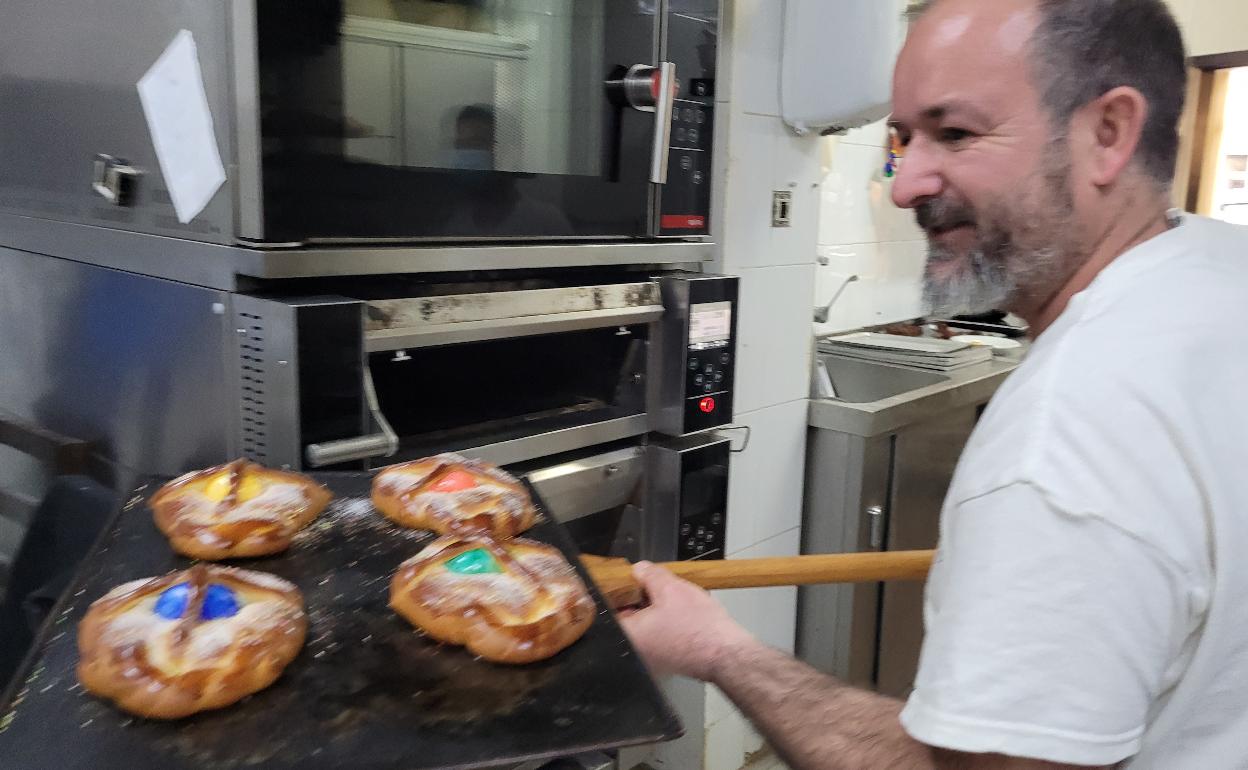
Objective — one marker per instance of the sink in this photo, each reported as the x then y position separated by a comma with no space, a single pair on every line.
862,382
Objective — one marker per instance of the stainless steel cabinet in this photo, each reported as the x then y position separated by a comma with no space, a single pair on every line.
874,493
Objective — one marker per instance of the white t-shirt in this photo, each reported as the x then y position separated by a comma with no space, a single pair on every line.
1089,602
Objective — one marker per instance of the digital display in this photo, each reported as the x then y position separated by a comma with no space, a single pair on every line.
710,323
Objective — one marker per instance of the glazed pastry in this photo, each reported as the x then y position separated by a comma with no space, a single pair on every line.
236,510
514,601
190,641
452,494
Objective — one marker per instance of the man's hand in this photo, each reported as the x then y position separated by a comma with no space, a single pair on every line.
684,630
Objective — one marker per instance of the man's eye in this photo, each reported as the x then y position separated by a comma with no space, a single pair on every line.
954,135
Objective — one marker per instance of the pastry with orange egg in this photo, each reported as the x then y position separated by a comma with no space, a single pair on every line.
448,494
237,510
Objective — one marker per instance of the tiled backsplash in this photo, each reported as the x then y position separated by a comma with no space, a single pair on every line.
862,233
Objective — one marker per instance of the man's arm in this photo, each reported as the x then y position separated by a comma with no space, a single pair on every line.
812,720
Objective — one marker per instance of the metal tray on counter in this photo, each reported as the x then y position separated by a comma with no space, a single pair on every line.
367,691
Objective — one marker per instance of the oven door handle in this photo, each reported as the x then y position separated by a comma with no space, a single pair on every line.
383,443
665,103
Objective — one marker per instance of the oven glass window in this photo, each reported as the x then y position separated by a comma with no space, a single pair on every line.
452,118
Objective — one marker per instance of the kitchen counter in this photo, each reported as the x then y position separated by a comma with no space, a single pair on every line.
964,387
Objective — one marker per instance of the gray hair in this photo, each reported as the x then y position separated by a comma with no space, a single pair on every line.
1085,48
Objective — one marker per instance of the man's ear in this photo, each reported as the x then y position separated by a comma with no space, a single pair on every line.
1112,126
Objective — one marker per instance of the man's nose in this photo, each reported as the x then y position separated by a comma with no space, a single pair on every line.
918,178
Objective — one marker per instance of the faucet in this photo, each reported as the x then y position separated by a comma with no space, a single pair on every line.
822,313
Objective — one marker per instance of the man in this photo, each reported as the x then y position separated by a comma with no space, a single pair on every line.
1089,605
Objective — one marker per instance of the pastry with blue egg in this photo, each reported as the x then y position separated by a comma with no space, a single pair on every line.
190,641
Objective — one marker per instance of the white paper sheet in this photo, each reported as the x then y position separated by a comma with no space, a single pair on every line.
178,117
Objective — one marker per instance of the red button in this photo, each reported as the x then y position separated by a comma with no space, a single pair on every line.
454,482
707,405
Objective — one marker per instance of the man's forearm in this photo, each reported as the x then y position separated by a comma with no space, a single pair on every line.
812,720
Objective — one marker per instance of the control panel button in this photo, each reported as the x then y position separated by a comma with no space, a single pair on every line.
719,376
724,358
698,380
708,388
693,364
686,162
684,530
692,134
716,519
710,369
700,116
698,177
691,543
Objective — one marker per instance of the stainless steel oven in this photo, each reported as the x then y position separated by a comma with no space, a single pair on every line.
367,121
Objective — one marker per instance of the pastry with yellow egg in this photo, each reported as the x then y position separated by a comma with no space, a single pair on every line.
510,601
236,510
198,639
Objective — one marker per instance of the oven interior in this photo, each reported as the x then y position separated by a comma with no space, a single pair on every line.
461,396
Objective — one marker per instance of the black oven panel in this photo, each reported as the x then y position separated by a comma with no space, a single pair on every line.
703,502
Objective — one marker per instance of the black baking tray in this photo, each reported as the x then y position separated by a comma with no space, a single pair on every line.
367,691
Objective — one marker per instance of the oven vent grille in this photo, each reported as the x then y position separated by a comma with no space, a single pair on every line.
251,349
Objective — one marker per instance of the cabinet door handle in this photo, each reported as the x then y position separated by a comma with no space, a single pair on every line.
875,526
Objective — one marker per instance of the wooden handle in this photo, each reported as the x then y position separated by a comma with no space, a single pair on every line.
616,582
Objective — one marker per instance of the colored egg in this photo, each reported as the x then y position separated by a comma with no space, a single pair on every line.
478,561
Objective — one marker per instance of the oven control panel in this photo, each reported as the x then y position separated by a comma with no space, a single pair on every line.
697,357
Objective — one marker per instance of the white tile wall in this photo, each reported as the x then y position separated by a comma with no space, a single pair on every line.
766,480
773,336
862,233
768,613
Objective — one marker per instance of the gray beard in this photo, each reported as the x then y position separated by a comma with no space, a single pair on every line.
983,285
1010,268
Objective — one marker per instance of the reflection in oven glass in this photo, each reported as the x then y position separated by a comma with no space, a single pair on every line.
471,84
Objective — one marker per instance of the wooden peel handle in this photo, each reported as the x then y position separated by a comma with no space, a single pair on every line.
615,576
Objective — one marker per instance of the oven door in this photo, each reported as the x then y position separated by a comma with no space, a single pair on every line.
455,119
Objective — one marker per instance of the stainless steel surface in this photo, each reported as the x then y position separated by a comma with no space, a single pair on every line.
860,382
556,441
247,171
140,367
220,267
67,82
924,459
846,476
964,387
637,86
576,489
879,472
383,443
441,320
663,122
